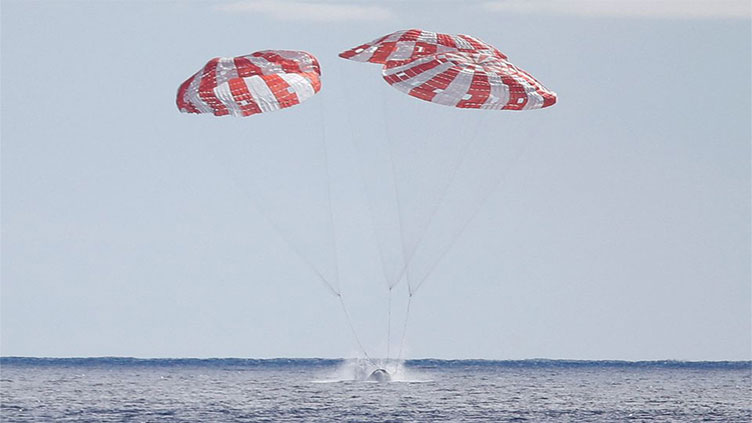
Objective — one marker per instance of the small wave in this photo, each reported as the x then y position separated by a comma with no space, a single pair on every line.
412,365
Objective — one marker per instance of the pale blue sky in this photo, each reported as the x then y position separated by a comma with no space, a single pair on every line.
620,228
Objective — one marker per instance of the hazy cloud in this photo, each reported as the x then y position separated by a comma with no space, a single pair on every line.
310,11
677,9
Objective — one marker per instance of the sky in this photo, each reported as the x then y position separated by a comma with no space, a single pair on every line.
613,225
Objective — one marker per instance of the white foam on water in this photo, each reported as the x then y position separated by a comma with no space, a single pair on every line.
358,370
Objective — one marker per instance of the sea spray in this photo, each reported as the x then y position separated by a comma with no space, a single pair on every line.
359,370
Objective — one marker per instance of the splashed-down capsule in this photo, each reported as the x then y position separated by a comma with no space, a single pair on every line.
380,375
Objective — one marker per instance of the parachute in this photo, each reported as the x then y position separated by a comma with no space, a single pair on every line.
261,82
424,174
453,70
279,177
409,44
256,83
468,80
441,164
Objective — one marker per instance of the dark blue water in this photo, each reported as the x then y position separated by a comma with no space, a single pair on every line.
322,390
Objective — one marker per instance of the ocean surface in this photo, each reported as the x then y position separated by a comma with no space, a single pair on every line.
322,390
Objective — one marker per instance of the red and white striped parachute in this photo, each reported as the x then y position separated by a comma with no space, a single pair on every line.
470,81
410,44
260,82
453,70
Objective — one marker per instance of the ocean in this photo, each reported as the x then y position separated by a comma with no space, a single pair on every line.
327,390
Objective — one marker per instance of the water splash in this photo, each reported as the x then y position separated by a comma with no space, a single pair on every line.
359,369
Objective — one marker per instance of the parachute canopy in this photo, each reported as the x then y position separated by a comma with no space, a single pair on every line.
260,82
410,44
453,70
468,80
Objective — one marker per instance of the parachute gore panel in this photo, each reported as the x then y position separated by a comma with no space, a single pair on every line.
453,70
410,44
260,82
468,80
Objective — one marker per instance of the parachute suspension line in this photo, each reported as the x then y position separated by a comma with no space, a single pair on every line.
257,205
455,169
354,332
470,218
445,189
400,218
390,284
329,193
404,329
334,242
389,324
363,187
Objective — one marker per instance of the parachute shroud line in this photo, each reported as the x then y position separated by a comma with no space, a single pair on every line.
273,224
334,237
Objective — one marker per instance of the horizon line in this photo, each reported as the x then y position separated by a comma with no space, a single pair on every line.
509,360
